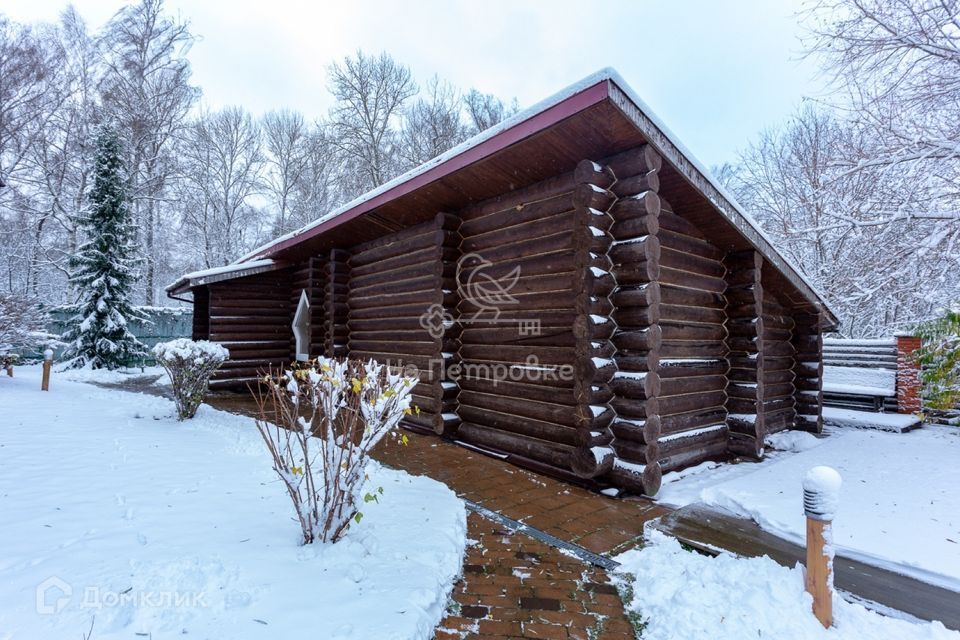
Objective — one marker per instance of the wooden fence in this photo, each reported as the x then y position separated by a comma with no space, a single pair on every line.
860,374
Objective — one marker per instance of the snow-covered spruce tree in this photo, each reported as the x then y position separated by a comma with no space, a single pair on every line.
102,270
940,361
22,326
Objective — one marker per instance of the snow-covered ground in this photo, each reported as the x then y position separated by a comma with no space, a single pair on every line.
115,513
899,504
683,594
95,375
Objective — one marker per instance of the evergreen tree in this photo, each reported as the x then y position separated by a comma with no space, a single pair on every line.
102,270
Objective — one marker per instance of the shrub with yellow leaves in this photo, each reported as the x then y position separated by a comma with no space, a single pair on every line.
320,421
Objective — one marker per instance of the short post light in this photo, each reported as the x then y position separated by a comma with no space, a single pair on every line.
47,365
821,494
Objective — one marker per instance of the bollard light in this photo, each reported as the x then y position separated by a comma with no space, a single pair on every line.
47,365
821,497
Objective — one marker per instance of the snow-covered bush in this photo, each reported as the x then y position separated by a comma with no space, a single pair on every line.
319,423
939,358
189,365
22,326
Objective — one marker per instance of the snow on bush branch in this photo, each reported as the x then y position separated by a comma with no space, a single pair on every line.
189,365
320,422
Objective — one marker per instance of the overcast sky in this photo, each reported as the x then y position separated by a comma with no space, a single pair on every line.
715,72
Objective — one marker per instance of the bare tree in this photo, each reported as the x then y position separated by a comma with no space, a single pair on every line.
432,124
370,93
896,68
147,91
223,162
286,141
486,110
793,179
315,192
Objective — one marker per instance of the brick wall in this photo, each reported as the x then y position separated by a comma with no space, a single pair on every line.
908,375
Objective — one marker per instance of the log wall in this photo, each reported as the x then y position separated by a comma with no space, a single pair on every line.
779,407
397,285
512,396
308,277
201,313
636,258
336,284
745,328
251,317
808,372
694,365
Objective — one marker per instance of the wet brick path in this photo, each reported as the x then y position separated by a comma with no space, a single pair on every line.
514,586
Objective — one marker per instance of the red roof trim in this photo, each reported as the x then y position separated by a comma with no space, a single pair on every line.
547,118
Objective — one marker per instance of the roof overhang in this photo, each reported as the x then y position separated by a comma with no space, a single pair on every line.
218,274
594,118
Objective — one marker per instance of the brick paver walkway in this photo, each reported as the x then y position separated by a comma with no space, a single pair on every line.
513,585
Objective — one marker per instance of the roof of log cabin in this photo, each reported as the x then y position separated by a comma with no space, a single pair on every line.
591,119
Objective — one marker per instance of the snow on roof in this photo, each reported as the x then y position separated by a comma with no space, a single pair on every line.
605,74
215,272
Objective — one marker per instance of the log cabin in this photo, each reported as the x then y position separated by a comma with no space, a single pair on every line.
576,293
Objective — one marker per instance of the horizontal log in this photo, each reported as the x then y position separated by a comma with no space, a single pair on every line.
552,453
635,409
703,437
521,425
695,384
403,261
692,368
560,414
678,278
543,190
636,386
562,222
590,462
647,203
520,214
703,402
636,184
689,245
525,248
411,278
642,363
636,452
637,273
670,221
633,479
639,159
686,421
636,251
534,392
634,226
693,456
640,431
589,172
698,315
692,263
699,332
589,196
387,299
645,339
644,295
402,245
678,295
398,347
